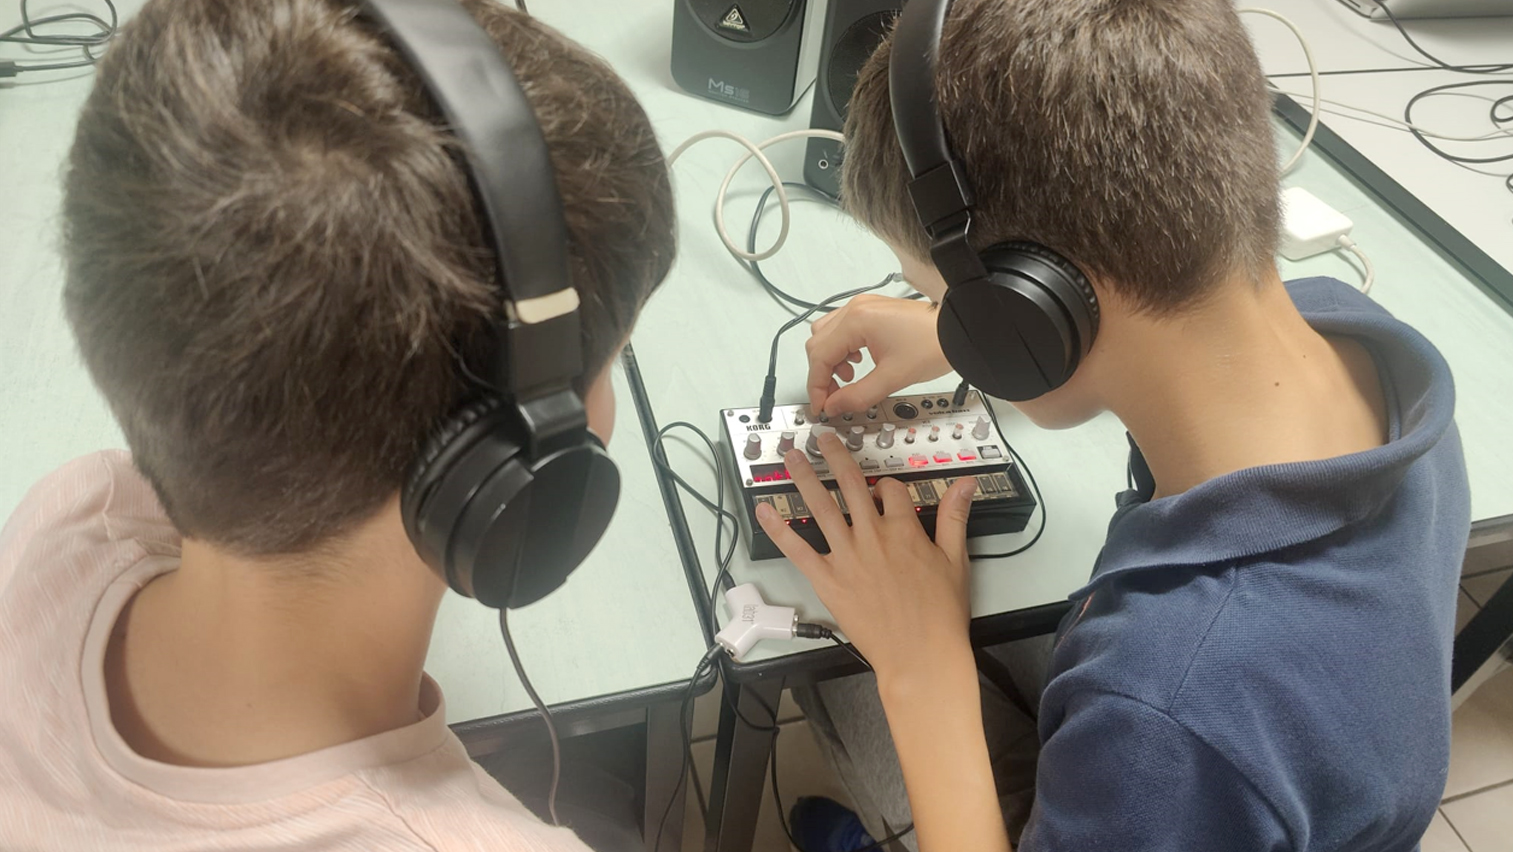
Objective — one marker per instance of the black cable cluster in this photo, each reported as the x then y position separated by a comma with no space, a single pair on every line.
45,32
1501,113
1500,120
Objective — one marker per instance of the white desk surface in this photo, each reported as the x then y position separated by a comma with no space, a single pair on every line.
623,620
703,341
1473,199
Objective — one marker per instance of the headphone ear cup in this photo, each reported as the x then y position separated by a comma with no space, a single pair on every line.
1009,341
496,525
1021,331
1069,285
521,537
436,455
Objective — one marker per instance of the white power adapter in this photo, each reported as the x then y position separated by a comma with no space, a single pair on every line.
1310,227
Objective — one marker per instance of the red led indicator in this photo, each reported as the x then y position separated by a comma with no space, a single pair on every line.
918,461
964,456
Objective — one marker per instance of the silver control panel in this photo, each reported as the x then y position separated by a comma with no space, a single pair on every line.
921,433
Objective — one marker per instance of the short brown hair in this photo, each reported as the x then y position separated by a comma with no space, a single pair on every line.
1130,135
275,263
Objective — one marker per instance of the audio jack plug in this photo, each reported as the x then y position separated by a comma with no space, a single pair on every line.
810,630
769,399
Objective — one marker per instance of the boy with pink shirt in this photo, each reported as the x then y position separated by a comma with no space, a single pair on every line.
279,278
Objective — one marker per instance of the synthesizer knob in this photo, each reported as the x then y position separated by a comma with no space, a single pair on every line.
980,428
935,433
813,444
753,446
909,436
956,431
854,438
872,413
785,442
885,437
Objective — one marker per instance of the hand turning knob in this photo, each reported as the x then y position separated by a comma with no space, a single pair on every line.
785,442
854,439
813,444
753,446
885,437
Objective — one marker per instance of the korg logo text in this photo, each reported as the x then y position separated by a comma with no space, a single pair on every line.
722,89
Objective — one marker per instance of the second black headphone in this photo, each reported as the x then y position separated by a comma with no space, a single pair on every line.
513,490
1018,318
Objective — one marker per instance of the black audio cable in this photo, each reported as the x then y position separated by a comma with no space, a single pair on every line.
769,384
723,555
546,714
684,722
777,293
1034,486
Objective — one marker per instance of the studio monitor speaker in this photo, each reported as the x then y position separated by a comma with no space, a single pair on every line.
853,30
754,54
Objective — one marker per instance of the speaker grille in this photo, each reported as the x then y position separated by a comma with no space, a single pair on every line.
848,54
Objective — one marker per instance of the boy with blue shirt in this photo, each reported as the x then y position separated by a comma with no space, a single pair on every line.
1260,660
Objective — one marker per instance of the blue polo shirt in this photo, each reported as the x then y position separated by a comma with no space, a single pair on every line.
1263,662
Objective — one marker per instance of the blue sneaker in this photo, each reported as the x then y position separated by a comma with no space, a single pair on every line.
825,825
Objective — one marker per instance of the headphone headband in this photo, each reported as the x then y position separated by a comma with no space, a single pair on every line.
510,171
512,489
1017,319
940,188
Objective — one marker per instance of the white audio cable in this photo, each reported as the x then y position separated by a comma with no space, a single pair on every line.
754,150
1313,74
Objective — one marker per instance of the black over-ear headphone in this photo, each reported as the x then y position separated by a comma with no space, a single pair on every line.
1018,318
512,491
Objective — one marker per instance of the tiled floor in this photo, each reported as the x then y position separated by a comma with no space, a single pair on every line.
1476,815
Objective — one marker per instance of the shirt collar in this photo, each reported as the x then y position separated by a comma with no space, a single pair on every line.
1259,510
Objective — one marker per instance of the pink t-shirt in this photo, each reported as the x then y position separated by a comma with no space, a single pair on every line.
79,546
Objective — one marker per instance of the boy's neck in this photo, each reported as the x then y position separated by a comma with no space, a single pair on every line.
230,661
1238,382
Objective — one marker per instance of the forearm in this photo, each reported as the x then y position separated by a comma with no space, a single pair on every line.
935,717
